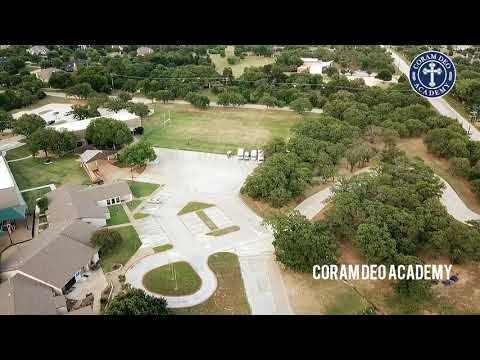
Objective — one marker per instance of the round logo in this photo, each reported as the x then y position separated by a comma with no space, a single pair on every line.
432,74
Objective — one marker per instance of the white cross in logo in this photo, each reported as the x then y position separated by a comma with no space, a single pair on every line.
432,73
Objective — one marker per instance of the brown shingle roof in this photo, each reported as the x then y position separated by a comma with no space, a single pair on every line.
20,295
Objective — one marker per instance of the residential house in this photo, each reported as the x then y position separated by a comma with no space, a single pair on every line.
74,65
38,50
36,274
21,295
86,203
45,74
56,257
144,51
313,65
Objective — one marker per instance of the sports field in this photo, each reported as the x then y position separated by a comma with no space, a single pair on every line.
216,129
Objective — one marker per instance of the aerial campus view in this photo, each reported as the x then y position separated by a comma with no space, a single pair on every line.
239,179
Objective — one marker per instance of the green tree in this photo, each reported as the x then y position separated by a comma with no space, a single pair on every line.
81,90
115,104
138,154
375,243
198,100
164,95
27,124
124,96
301,105
107,133
275,145
136,302
41,139
106,240
6,121
138,109
268,100
300,244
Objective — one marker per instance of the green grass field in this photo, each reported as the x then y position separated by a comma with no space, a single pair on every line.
162,248
176,279
140,215
117,215
121,253
225,231
193,206
18,153
206,220
229,298
33,172
237,69
141,189
31,196
132,205
216,130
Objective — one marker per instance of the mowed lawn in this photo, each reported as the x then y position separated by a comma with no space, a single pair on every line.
229,298
31,196
238,69
32,172
121,253
141,189
216,129
18,153
175,279
117,215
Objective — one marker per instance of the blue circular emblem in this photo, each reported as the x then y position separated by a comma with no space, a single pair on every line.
432,74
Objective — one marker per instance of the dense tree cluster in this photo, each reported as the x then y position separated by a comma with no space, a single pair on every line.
52,141
315,148
136,302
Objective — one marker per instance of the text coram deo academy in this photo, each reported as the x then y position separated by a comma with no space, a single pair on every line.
381,272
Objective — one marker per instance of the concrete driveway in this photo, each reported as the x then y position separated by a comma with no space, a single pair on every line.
215,179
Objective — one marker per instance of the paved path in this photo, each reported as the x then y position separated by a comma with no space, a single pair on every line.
450,199
144,100
51,186
24,158
135,274
11,143
440,104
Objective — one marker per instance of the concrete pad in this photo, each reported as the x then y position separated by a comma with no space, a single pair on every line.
218,217
194,224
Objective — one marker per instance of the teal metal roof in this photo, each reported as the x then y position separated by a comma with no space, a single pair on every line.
13,213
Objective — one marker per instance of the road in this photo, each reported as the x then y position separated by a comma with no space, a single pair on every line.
440,104
144,100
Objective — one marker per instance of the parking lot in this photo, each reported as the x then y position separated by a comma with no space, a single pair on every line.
214,179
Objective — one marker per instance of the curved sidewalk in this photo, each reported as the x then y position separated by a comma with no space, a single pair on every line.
134,276
455,206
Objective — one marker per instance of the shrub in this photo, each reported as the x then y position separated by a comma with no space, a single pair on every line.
43,204
106,240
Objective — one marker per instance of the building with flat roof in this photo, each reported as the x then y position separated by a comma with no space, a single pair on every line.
12,207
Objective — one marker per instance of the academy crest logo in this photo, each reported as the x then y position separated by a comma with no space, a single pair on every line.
432,74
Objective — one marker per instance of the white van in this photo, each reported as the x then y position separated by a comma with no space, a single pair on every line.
240,154
253,154
246,155
261,156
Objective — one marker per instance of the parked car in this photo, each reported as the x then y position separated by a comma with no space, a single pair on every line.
240,154
154,201
253,154
246,155
261,156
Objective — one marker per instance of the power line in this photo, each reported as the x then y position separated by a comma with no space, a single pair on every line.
225,79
